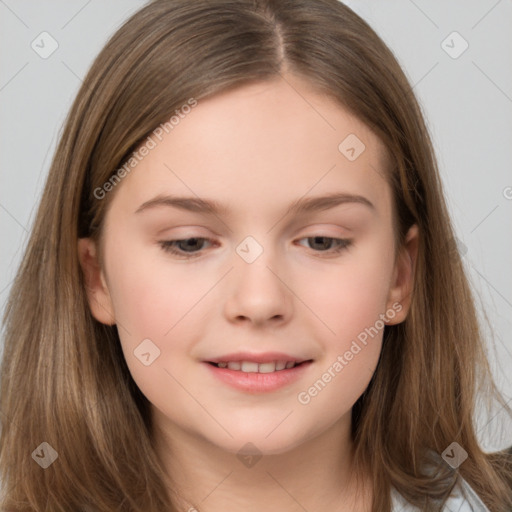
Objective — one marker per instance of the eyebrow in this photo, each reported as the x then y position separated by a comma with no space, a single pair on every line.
210,207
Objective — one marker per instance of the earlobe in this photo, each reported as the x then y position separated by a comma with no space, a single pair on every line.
97,291
402,285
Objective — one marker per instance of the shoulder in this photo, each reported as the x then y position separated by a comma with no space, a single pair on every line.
462,499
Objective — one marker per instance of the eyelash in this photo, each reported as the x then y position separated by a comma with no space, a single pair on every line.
169,245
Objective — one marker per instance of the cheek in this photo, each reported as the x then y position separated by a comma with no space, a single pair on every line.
151,296
350,301
350,296
158,302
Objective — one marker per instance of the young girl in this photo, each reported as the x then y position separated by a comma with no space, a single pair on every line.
241,290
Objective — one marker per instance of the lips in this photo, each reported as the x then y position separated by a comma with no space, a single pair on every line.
258,373
267,362
255,367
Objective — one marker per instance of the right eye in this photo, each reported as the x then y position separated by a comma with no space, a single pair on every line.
185,247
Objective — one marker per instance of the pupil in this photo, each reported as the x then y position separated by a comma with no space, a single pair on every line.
320,239
191,243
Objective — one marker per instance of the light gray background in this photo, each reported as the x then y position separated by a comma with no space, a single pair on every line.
467,102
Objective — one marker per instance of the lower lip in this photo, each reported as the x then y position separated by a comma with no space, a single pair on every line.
253,382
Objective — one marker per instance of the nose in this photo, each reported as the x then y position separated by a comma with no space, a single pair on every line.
258,293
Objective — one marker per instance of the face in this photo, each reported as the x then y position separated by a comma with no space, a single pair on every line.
257,232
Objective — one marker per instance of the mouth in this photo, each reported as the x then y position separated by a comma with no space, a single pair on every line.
256,377
256,367
258,373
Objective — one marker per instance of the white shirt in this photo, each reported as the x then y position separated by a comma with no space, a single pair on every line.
463,499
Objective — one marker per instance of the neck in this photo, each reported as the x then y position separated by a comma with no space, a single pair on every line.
316,474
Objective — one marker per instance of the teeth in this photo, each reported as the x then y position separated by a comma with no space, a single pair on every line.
248,367
253,367
267,367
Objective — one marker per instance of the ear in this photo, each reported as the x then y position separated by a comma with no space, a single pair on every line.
98,295
402,284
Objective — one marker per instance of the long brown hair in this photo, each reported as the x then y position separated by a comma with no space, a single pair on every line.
64,380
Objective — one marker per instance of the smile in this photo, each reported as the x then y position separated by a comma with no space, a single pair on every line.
263,374
254,367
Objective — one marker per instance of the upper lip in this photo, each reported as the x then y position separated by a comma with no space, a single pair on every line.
264,357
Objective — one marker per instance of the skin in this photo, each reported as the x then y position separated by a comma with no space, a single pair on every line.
255,150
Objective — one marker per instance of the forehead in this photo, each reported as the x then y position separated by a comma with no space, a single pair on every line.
265,142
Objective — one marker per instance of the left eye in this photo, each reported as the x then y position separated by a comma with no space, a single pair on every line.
191,247
325,243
